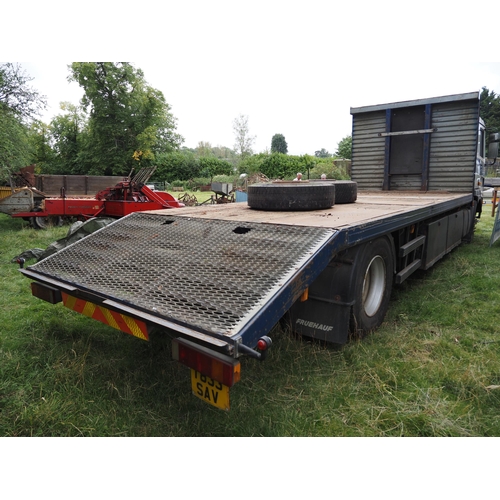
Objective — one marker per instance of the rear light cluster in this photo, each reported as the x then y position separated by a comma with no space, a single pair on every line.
224,369
46,292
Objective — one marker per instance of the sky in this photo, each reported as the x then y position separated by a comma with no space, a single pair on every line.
311,110
292,68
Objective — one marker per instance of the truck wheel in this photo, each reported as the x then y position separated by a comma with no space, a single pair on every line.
346,192
372,286
291,196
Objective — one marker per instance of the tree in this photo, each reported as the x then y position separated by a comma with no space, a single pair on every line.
278,144
129,121
15,146
224,153
489,104
16,96
344,148
204,149
19,105
69,131
209,167
244,141
43,154
322,153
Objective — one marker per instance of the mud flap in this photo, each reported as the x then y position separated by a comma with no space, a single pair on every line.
326,314
320,320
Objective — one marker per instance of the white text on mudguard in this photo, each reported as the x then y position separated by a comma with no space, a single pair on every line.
315,326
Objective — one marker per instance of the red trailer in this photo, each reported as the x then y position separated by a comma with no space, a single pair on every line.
124,198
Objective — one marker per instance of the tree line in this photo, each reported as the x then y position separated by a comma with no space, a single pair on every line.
122,124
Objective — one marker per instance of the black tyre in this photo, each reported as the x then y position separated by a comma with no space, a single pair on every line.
346,192
291,196
477,208
45,222
372,286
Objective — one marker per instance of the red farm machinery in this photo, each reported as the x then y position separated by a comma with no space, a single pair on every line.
125,197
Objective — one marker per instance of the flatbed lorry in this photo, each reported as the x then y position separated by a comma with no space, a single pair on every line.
219,278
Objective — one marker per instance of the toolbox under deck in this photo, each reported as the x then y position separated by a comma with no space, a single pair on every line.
214,269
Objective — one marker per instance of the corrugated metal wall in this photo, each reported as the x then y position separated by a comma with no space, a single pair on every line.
75,185
453,146
452,156
368,150
5,192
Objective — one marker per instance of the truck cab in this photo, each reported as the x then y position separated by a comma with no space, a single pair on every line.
480,164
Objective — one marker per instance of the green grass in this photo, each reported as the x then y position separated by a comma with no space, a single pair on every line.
201,196
432,369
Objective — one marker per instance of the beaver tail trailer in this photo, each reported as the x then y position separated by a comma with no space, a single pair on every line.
220,277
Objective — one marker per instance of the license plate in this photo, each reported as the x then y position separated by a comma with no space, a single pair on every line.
209,390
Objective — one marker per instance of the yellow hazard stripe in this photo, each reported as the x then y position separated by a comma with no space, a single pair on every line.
126,324
134,327
68,300
109,318
89,309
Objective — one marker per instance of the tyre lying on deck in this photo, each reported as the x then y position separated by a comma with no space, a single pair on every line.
291,196
345,192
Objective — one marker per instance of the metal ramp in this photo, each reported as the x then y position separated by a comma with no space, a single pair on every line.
214,276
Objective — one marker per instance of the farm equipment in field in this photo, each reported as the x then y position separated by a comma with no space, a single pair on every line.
223,193
126,197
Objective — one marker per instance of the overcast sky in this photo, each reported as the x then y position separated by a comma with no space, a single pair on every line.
292,68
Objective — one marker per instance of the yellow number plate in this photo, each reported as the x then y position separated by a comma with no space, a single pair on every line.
210,390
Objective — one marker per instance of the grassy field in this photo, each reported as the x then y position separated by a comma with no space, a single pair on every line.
432,369
200,196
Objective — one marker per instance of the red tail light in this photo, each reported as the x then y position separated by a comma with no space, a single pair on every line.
215,365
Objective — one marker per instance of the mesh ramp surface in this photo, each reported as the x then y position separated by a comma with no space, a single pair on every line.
213,275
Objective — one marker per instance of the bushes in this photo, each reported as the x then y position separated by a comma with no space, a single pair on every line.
213,166
176,165
281,166
333,168
186,166
252,164
275,165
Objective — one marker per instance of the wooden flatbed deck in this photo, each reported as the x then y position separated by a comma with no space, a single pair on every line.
370,207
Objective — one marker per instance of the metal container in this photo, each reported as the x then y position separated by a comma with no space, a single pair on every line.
222,187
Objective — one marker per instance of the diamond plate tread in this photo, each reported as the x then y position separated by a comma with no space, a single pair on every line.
213,275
